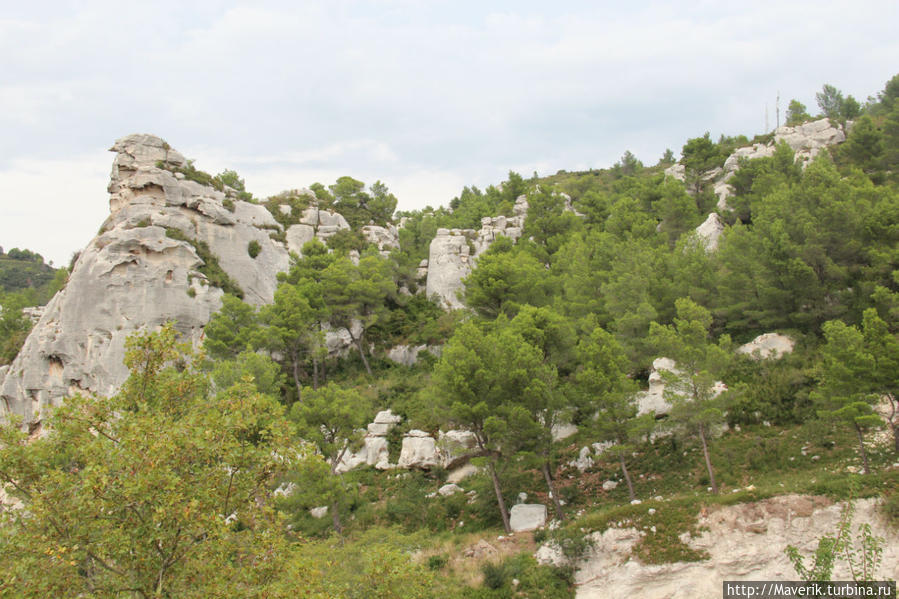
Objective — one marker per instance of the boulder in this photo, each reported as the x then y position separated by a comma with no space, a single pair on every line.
448,263
298,236
453,252
768,345
808,139
419,451
408,355
527,516
319,512
584,460
449,489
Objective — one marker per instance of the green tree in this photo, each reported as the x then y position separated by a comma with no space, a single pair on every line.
504,279
292,327
484,378
843,393
332,418
699,155
883,347
14,325
830,101
547,403
231,330
608,396
355,296
263,372
159,491
797,113
865,146
690,389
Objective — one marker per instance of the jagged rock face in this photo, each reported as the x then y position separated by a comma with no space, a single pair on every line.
132,276
453,252
808,139
744,542
386,238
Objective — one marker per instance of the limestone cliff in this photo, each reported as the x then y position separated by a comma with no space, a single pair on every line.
143,269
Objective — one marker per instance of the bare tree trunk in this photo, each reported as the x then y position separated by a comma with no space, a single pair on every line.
552,490
358,343
708,460
861,446
296,375
894,420
314,372
499,497
627,477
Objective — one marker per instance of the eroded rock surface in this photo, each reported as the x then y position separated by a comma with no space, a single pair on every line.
743,542
134,275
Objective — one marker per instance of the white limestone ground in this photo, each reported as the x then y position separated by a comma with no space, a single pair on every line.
744,542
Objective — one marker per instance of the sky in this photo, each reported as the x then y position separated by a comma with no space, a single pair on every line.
426,96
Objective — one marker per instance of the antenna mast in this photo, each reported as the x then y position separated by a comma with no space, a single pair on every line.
777,104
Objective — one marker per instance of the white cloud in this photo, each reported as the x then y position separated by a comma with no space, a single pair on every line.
460,92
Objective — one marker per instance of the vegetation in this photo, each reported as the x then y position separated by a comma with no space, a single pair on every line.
560,328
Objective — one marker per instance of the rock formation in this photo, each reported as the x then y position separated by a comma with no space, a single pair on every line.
710,231
314,223
769,345
142,270
453,252
806,141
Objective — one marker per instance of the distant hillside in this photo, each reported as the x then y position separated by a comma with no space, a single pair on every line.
23,269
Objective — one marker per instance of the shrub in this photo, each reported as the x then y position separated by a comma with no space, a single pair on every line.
253,249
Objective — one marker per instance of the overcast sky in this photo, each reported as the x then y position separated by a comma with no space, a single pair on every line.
427,96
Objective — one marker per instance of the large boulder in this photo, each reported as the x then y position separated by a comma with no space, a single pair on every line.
419,451
768,345
527,516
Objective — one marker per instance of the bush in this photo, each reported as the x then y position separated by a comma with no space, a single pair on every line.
253,249
437,562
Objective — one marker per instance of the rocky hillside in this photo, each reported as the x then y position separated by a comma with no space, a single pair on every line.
648,378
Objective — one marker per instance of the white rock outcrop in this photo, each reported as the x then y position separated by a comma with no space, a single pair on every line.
768,345
133,276
314,223
453,252
744,542
407,355
710,231
419,451
653,400
527,516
